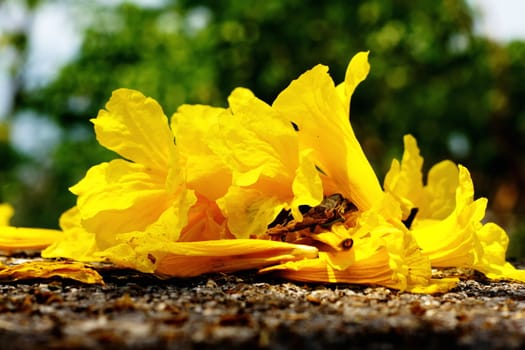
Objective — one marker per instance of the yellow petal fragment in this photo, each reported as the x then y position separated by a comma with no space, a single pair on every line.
186,259
256,142
405,181
314,105
48,269
307,186
453,242
6,213
24,238
442,182
135,127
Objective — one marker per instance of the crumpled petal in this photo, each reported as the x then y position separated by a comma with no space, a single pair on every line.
47,269
453,241
320,113
205,222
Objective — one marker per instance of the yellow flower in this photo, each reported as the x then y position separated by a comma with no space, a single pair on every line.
320,112
148,187
157,210
383,251
144,192
448,225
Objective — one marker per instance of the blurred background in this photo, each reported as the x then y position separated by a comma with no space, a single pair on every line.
450,72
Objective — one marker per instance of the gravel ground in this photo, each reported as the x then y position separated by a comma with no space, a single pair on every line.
136,311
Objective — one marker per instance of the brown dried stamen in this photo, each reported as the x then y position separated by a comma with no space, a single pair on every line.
332,209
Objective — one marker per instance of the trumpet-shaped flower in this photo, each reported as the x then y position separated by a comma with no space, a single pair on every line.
320,112
134,194
448,225
158,206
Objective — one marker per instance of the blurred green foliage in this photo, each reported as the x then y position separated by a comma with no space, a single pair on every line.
459,94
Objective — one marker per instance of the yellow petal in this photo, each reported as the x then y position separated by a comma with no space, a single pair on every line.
205,222
186,259
6,213
194,127
249,211
120,196
229,256
76,243
307,186
256,142
405,181
48,269
313,104
453,241
356,72
135,127
24,238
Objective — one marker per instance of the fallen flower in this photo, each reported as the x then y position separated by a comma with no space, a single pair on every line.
283,188
447,226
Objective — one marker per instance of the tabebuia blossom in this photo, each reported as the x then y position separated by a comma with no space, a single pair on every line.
282,188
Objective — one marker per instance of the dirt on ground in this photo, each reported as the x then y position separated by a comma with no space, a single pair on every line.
251,311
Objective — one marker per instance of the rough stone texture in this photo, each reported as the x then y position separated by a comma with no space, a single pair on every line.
136,311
